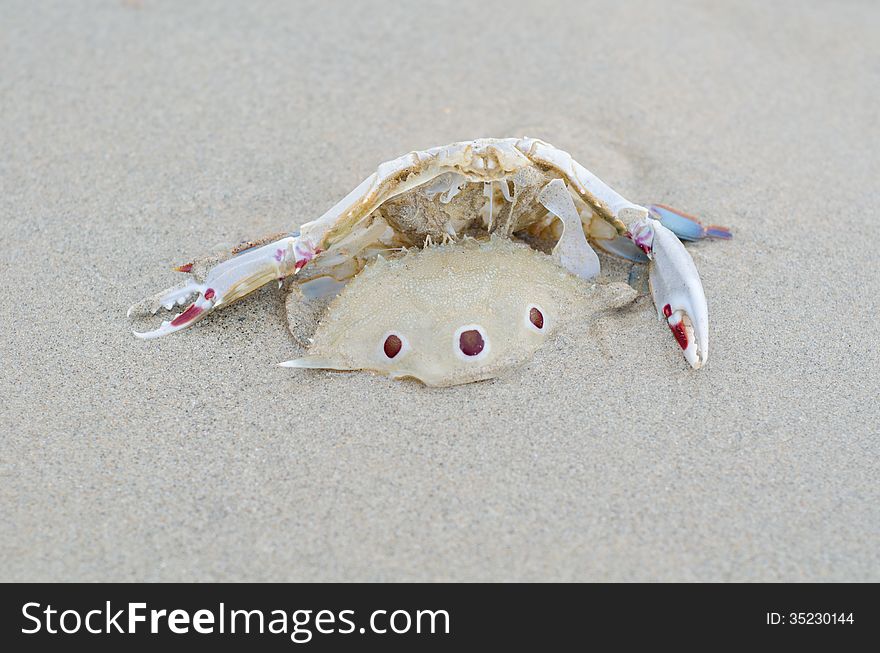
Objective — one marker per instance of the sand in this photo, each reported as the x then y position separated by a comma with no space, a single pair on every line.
137,135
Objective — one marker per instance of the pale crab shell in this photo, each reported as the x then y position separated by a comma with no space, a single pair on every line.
427,297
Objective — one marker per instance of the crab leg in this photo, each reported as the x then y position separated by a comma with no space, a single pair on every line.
231,280
675,288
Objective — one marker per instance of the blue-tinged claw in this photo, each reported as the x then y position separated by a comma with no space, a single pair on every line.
686,226
638,279
623,247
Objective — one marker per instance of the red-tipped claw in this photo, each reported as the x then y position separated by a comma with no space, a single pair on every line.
227,282
676,288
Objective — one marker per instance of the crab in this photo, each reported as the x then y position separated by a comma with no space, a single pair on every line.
463,200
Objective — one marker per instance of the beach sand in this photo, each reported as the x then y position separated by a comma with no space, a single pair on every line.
135,136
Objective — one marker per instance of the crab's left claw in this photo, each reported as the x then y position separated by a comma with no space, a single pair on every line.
225,283
675,287
203,305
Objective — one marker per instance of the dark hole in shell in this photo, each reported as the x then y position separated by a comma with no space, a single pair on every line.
392,346
471,342
536,318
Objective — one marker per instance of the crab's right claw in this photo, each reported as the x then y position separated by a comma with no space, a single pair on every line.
227,282
675,288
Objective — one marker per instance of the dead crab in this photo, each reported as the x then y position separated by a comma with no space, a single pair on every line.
447,296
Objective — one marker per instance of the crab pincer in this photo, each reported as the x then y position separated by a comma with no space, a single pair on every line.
227,282
675,288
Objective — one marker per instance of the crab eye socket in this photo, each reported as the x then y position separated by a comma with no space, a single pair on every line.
536,317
